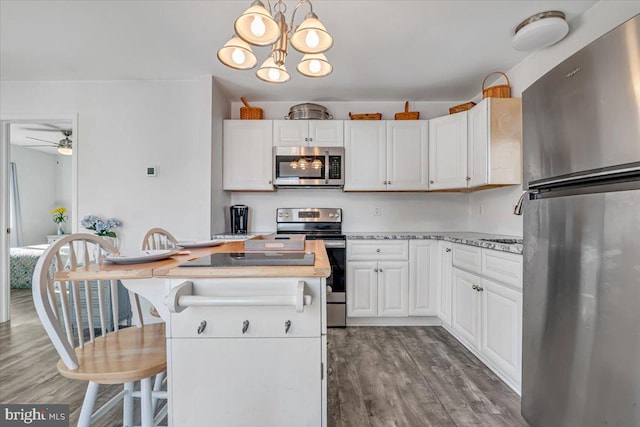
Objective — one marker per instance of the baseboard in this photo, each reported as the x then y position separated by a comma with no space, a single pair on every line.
394,321
515,387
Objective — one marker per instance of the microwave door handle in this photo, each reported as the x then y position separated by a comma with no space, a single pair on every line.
326,167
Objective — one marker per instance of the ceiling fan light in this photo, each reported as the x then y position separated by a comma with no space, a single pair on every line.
540,30
237,54
271,72
65,151
314,65
256,26
311,36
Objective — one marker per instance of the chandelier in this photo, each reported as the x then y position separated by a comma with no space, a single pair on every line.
258,26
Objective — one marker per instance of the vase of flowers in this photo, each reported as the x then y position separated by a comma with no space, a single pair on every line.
59,217
102,227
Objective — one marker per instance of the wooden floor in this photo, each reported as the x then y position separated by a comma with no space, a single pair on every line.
400,376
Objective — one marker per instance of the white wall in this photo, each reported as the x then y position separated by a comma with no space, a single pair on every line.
123,127
400,211
220,199
491,210
64,188
37,190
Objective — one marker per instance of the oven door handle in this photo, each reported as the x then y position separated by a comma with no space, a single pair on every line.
335,244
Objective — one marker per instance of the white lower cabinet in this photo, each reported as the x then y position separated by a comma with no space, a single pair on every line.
423,276
393,288
260,377
444,281
465,319
362,289
486,315
377,288
502,328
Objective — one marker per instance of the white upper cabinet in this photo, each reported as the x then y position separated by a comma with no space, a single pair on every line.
448,152
386,155
365,151
308,133
247,158
495,142
407,155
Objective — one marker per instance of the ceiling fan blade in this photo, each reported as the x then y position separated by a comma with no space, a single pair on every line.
43,130
30,146
43,140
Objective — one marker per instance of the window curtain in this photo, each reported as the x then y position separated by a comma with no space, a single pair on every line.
15,217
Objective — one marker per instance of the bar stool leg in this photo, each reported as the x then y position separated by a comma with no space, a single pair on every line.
157,386
127,412
145,402
88,404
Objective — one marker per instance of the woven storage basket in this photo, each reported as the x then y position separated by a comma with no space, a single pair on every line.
370,116
462,107
406,114
498,91
250,113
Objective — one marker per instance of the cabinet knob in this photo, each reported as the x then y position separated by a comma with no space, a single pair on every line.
384,182
447,250
375,270
474,287
431,182
379,270
468,178
287,326
479,288
202,327
389,182
269,181
245,326
378,250
310,139
306,139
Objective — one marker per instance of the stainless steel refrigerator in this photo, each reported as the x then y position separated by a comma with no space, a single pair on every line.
581,338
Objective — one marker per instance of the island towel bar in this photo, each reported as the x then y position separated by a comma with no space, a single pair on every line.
182,297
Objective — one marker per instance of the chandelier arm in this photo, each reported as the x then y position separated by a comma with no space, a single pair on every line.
293,16
270,11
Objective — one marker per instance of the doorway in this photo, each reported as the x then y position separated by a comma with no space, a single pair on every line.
38,173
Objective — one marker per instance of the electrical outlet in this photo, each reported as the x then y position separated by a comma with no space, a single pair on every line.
377,211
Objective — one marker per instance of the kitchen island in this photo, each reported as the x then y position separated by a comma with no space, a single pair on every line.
246,346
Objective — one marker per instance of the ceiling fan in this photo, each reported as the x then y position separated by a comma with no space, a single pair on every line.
64,145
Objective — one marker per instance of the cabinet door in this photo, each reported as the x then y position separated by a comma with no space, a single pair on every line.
290,133
502,328
362,289
448,151
465,315
214,382
365,153
423,269
247,158
407,155
326,133
445,254
393,289
478,144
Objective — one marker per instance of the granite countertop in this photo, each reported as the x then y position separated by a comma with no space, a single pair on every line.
463,237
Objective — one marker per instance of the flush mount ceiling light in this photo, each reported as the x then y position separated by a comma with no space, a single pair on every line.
258,26
540,30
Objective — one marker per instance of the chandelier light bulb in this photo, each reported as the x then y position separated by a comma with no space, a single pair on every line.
257,26
274,74
312,39
238,56
315,66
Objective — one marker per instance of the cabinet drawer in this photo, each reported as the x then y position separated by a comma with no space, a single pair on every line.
467,258
502,266
263,321
374,250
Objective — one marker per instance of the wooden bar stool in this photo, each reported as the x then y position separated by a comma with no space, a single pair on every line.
92,348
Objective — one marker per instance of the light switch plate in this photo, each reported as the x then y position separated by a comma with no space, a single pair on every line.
152,171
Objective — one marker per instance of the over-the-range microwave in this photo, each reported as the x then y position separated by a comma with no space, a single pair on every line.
308,167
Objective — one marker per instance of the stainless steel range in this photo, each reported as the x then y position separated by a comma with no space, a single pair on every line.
322,224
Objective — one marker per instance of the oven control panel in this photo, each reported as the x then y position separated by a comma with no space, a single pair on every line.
309,215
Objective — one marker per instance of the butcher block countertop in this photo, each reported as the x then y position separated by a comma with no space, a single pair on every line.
171,267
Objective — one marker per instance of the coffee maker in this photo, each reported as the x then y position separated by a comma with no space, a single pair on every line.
239,215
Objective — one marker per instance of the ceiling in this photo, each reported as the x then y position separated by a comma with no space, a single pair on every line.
34,135
383,51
